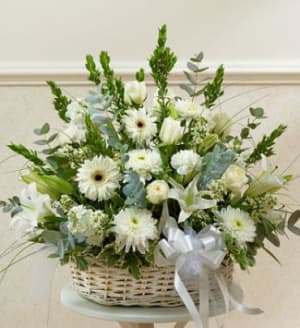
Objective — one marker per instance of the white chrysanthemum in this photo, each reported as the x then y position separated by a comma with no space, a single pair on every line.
35,206
144,162
187,109
238,224
186,162
140,126
70,133
134,228
86,223
98,178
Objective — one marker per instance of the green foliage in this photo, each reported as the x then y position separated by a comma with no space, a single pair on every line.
193,76
292,221
12,206
265,146
214,164
91,67
134,190
161,63
140,75
94,139
60,101
31,155
213,90
43,130
257,112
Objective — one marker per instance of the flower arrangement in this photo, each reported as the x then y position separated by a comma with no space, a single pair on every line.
98,187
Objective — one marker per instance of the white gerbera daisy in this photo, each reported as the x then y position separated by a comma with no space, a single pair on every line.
144,162
134,228
186,162
98,178
187,109
139,125
238,224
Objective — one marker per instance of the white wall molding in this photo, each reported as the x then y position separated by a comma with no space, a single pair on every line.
77,75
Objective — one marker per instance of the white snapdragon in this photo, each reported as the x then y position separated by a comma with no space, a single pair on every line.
135,92
171,131
186,162
157,191
235,179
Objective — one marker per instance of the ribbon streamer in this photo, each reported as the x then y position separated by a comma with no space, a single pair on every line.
195,256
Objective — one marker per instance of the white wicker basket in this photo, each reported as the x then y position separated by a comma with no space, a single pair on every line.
115,286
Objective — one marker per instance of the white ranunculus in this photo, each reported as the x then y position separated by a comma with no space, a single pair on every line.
235,179
186,162
221,123
157,191
135,92
171,131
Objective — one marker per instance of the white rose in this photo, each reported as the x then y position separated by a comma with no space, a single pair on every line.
157,191
235,179
221,123
171,131
135,92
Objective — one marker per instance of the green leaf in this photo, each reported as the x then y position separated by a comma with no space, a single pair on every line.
292,221
265,146
271,254
91,67
43,130
41,142
81,263
245,133
134,190
214,164
198,58
190,78
60,101
257,112
31,155
187,88
52,236
194,68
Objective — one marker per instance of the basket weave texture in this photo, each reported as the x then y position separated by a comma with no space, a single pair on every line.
115,286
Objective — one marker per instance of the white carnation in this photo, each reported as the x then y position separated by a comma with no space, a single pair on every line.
140,126
98,179
186,162
238,224
157,191
144,162
134,228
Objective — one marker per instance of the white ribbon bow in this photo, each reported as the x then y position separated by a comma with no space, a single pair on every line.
194,256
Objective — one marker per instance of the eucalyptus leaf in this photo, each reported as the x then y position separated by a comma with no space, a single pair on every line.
292,221
187,88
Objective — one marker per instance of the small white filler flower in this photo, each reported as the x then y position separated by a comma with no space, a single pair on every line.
134,227
238,224
140,126
98,179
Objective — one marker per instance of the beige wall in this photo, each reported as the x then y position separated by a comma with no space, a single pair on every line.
257,41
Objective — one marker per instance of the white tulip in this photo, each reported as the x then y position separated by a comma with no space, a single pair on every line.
235,179
171,131
135,92
157,191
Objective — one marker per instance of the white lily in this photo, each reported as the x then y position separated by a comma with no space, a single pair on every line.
265,181
190,198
